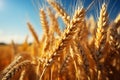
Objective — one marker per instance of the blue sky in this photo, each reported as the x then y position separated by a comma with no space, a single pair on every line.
14,15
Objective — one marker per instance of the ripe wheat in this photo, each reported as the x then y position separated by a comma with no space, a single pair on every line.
86,50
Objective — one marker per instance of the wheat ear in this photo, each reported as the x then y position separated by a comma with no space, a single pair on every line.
65,40
114,36
83,29
16,69
102,27
25,44
101,33
14,47
61,11
44,21
30,27
15,62
54,22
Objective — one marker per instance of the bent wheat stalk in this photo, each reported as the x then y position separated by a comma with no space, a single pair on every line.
15,62
15,69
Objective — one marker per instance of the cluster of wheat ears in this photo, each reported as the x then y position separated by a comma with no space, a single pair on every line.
85,50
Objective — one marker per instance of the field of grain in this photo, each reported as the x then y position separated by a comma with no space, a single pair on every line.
87,49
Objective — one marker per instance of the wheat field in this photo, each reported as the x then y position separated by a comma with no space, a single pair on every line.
87,49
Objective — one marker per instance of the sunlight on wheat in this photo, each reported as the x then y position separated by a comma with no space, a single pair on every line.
87,49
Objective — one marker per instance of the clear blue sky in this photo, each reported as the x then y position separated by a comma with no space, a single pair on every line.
15,13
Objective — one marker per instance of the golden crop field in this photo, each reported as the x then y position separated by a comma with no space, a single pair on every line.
87,49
